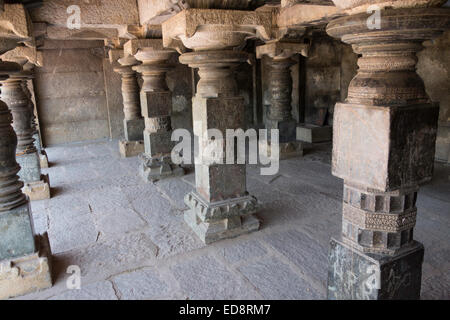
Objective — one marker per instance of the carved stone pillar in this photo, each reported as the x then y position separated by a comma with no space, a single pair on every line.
279,115
220,206
36,185
133,121
43,159
156,104
25,258
383,148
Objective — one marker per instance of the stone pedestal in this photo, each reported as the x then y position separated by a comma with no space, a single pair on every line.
27,273
354,275
314,134
133,122
24,258
384,138
279,112
27,154
156,104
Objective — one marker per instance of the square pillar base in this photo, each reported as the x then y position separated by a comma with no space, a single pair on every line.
28,273
30,169
313,134
43,159
157,168
128,149
38,190
226,219
134,129
354,275
287,150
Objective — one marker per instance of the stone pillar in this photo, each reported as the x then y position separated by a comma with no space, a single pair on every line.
24,257
383,148
279,114
133,122
220,206
156,104
36,185
43,159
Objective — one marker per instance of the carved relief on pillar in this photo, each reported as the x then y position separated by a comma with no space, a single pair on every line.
383,148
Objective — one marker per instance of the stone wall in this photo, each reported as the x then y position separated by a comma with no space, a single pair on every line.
434,68
70,92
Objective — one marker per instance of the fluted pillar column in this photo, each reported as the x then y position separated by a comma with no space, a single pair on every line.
133,122
156,104
279,115
220,206
383,149
36,185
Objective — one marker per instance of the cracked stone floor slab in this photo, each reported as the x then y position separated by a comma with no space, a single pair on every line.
130,241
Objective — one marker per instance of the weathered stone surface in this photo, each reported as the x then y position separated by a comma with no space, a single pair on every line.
354,275
141,284
102,290
313,134
131,148
276,280
17,233
27,273
240,251
382,143
206,278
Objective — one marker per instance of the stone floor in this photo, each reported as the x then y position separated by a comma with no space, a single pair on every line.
130,241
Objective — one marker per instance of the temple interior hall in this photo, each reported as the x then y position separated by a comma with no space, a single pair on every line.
118,118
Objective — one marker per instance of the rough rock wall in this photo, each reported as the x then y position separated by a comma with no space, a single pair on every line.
70,92
434,68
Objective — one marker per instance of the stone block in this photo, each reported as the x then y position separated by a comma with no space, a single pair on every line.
218,182
38,190
30,168
156,104
287,129
129,149
384,148
158,143
28,273
16,238
43,160
222,220
358,276
276,280
313,134
218,113
157,168
134,129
